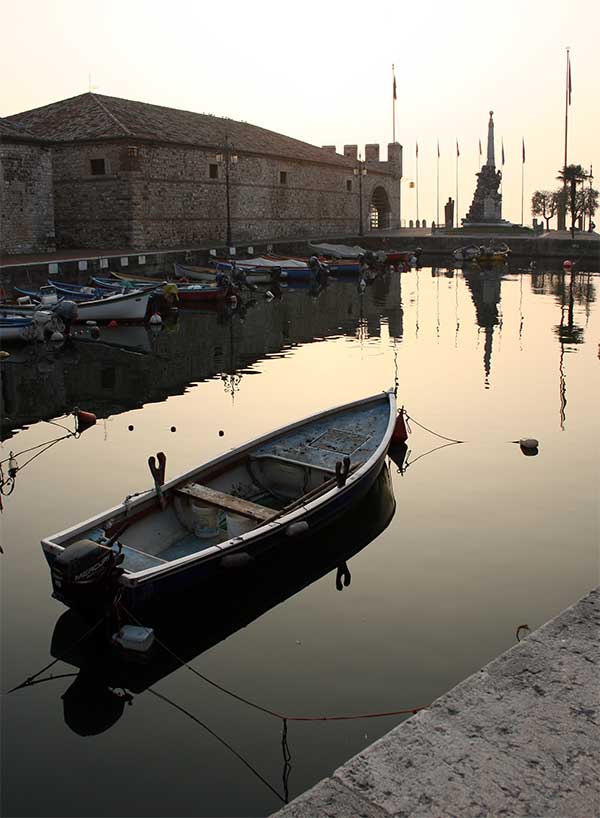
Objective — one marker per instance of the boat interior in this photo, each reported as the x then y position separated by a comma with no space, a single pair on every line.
254,487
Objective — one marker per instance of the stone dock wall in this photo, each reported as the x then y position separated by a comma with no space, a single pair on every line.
437,250
518,738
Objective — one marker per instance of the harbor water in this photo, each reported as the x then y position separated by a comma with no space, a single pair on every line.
455,548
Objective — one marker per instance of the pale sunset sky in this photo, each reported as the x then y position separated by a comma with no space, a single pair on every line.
322,72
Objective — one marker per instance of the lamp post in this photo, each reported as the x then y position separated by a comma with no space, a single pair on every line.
360,171
228,158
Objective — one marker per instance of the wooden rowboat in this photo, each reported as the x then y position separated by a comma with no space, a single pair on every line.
222,515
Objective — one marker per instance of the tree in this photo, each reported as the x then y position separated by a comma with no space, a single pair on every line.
587,202
544,203
571,176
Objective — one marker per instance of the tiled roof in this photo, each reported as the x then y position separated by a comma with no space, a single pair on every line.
10,131
94,116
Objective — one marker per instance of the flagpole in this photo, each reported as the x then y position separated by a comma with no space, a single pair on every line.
437,219
567,101
457,155
522,181
417,177
393,104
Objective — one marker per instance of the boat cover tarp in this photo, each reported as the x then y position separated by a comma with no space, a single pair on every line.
337,250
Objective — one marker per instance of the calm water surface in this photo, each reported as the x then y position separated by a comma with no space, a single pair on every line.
483,539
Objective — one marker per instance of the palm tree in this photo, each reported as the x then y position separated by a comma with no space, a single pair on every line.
571,176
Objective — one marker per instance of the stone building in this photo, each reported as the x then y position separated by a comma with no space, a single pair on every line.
134,175
26,193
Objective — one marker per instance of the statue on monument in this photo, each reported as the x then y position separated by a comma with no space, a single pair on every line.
486,207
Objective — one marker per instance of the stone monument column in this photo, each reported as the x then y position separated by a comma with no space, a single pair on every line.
491,160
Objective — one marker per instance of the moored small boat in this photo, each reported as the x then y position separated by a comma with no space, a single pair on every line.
286,484
184,294
16,325
210,274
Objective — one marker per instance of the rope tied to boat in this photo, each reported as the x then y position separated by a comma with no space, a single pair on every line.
266,710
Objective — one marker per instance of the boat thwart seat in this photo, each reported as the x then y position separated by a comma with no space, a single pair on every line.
237,505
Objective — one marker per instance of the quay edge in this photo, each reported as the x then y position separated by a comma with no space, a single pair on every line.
518,738
437,248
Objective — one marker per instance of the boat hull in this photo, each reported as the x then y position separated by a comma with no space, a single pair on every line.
154,585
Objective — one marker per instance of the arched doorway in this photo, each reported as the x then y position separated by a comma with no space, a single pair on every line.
380,212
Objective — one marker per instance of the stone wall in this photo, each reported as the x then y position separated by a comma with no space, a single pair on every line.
26,205
93,210
155,195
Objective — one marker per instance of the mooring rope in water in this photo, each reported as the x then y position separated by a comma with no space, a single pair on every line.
451,439
30,680
215,735
268,711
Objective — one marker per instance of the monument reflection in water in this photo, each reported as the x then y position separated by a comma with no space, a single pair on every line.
107,677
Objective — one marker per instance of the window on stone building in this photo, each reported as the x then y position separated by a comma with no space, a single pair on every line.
213,171
132,152
349,185
283,177
98,167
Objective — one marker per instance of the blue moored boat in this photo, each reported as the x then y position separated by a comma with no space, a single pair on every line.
223,514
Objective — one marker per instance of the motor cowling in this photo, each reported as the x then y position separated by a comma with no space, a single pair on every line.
84,572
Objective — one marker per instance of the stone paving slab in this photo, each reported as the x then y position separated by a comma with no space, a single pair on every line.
520,739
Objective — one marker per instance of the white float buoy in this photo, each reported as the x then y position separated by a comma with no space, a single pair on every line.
57,336
529,443
91,323
155,319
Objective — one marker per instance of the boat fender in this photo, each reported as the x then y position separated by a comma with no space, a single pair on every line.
4,354
344,576
400,434
294,529
57,336
240,560
155,318
91,323
83,420
567,264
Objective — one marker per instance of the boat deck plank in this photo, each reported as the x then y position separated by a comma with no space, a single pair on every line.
227,501
355,433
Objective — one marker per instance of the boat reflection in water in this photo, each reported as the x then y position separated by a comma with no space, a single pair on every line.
92,704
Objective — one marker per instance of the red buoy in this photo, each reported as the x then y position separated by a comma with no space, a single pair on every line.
567,265
84,420
400,435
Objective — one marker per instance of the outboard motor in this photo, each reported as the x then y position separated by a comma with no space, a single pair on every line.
68,311
85,573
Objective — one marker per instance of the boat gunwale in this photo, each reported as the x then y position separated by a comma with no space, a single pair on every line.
135,579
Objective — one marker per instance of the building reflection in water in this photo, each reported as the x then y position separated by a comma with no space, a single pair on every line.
131,366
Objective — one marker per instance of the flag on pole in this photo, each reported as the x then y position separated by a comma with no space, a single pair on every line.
523,140
457,150
503,151
438,146
568,78
394,84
